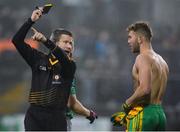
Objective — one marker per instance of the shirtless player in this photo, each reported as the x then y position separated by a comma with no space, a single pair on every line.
143,110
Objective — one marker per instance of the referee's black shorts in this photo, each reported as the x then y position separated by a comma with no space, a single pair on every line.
45,119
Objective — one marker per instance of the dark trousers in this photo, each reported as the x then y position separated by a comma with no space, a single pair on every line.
45,119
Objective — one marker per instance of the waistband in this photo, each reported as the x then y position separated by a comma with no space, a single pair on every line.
153,106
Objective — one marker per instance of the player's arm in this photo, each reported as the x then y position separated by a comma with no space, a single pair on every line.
78,108
142,92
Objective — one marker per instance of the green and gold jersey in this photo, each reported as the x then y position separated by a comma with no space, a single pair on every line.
73,88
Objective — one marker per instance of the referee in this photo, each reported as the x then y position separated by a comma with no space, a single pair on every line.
52,76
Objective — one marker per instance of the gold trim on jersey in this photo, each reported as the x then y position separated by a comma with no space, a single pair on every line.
43,97
53,62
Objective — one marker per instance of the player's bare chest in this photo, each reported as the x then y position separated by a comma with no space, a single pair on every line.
135,73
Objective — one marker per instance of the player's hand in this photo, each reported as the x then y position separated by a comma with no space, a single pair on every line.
126,108
119,119
92,116
36,14
38,36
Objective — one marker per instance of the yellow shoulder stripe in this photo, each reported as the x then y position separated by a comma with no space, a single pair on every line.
53,62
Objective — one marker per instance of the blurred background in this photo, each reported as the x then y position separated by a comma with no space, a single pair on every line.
104,60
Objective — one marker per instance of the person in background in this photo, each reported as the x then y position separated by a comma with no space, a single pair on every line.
75,106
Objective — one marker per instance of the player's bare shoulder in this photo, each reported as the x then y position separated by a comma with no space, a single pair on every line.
163,63
143,59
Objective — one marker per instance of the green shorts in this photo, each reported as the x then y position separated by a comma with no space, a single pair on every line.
152,118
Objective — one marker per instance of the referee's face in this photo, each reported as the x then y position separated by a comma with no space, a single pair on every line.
66,43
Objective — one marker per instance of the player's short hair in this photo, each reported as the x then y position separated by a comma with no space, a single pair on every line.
56,34
142,28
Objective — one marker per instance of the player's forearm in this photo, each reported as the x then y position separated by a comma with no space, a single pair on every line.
139,96
80,109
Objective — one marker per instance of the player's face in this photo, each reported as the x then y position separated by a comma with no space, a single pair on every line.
133,42
66,43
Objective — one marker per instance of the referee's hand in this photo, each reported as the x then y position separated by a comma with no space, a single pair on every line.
38,36
37,13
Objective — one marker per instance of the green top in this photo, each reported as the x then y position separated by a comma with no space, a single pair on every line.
69,112
73,88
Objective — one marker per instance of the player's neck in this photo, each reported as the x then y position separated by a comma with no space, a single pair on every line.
145,47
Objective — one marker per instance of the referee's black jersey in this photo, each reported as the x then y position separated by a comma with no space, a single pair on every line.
52,74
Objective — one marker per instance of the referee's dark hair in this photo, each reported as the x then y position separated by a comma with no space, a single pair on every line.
56,34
